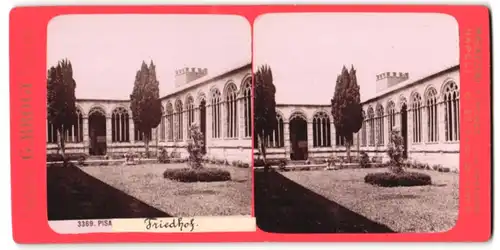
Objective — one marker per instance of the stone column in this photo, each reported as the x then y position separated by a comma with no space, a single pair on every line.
131,130
425,128
309,138
387,136
209,120
186,125
333,135
241,118
410,114
85,128
398,120
441,113
223,124
286,137
108,134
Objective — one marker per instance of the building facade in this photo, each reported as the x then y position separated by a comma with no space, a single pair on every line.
426,111
220,104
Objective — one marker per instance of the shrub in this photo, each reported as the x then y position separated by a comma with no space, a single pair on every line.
81,161
69,156
163,156
389,179
282,165
365,160
197,175
395,151
195,147
444,169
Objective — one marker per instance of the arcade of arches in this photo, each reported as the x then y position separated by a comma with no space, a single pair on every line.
426,112
220,105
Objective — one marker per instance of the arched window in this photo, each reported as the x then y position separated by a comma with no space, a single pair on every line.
363,130
189,114
380,125
231,95
247,95
178,121
321,130
432,116
120,125
277,140
216,112
162,124
391,117
451,96
371,124
170,121
417,117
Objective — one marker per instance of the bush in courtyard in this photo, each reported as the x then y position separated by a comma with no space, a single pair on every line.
81,161
395,151
197,175
388,179
282,165
163,156
195,147
365,160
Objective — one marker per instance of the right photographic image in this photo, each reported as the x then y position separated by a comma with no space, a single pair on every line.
356,122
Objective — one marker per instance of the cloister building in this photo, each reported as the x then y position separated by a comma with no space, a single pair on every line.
426,110
219,103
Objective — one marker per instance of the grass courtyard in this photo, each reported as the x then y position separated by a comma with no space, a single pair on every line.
141,191
340,201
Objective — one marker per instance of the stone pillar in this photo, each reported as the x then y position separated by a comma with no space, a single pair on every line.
398,120
108,134
223,124
424,124
286,137
241,118
131,130
86,139
208,113
441,112
186,125
309,136
387,136
410,114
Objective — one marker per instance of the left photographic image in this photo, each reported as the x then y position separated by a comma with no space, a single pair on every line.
149,118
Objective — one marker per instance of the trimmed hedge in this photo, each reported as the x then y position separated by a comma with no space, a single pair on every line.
197,175
70,156
270,162
406,179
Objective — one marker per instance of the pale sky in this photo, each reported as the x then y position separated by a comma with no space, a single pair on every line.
107,50
306,51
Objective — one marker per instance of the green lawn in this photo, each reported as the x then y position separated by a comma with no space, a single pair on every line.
146,183
403,209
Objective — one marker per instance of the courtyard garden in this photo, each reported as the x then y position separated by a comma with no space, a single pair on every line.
133,187
360,195
340,201
135,191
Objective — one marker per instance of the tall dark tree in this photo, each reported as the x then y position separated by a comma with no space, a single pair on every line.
145,102
264,103
346,107
61,107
